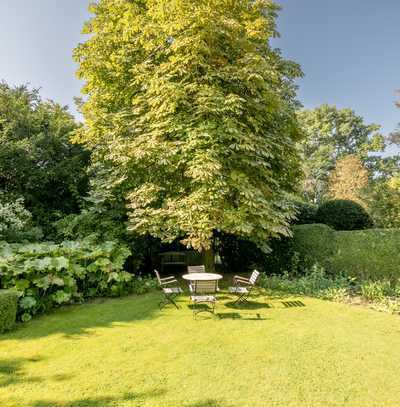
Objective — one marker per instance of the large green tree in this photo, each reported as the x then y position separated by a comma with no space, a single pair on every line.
332,134
191,115
37,160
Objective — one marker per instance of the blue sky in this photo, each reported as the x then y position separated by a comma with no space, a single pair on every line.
348,50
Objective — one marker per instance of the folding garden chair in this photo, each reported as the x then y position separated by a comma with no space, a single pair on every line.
202,293
196,269
243,286
170,293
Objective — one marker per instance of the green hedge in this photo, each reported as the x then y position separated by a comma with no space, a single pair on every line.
365,254
368,254
8,309
314,243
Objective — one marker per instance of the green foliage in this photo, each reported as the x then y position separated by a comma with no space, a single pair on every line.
343,214
331,134
365,254
47,275
377,290
314,244
239,255
37,160
8,309
368,254
383,200
383,295
190,113
315,283
305,213
16,221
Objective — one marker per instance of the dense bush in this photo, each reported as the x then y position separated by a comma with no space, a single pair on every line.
315,282
16,221
37,160
366,254
8,309
313,244
342,214
382,295
238,255
47,275
305,213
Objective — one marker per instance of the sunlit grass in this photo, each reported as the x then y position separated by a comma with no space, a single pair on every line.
277,352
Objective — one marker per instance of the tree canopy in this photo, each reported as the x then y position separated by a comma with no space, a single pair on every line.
37,160
348,180
191,115
332,134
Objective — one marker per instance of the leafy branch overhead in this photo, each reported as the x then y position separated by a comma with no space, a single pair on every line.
193,113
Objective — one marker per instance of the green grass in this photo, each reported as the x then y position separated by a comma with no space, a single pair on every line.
277,352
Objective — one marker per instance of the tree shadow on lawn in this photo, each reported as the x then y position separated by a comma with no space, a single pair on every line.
236,315
100,401
248,305
75,321
209,403
12,371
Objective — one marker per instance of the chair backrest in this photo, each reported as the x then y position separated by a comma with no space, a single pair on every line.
196,269
158,276
254,276
205,287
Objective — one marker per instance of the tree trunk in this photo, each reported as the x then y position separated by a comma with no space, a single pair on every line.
209,260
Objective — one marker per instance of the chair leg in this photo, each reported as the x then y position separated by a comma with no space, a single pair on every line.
197,310
241,299
168,299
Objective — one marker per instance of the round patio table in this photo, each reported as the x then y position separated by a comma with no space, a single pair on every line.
202,276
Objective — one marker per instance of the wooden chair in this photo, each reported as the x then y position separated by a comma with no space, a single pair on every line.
196,269
202,293
243,286
169,292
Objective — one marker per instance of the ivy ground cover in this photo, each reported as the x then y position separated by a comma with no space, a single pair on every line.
279,351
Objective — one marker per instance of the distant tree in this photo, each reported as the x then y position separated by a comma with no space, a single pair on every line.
37,161
348,180
383,199
192,113
332,134
394,137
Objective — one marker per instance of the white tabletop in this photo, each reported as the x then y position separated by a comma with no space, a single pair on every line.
202,276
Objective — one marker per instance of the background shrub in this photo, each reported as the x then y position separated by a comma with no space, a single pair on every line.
368,254
8,309
305,213
47,275
314,244
371,254
342,214
238,255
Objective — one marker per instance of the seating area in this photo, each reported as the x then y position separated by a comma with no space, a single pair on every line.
203,287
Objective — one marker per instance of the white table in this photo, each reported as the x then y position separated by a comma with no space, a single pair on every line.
202,276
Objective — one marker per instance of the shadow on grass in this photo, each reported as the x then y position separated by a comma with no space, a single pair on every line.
248,305
293,304
101,401
77,321
12,371
236,315
209,403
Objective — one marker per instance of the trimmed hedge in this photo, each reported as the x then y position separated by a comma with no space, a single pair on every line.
368,254
8,309
343,214
314,243
364,254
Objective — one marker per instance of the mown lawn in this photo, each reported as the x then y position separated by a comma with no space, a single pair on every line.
277,352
